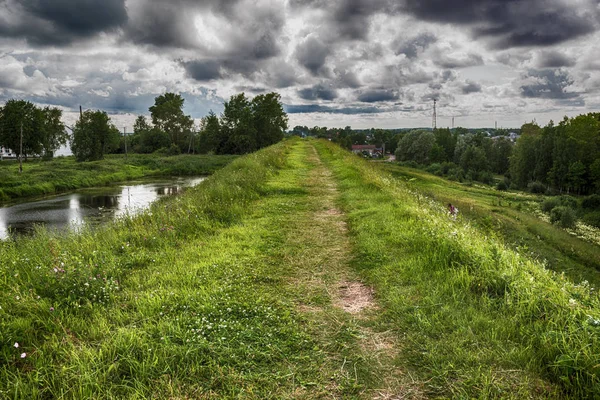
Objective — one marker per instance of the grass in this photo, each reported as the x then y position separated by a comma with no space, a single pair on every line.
64,173
476,318
516,217
233,290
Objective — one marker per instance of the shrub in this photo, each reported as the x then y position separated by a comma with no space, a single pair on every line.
568,201
592,218
536,187
563,216
434,169
550,203
486,177
591,202
502,186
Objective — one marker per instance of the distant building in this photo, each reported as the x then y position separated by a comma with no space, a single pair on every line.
360,148
513,136
6,153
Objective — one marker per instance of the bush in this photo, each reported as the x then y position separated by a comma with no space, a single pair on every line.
592,218
563,216
591,202
434,169
550,203
502,186
568,201
536,187
486,177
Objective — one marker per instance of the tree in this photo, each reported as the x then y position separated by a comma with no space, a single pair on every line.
17,115
210,134
270,121
52,131
501,152
167,115
416,146
93,136
237,127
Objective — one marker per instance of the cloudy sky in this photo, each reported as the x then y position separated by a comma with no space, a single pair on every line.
364,63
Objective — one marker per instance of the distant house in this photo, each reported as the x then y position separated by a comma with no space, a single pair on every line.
513,136
6,153
360,148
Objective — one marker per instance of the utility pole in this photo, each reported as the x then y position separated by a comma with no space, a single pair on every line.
21,151
452,122
191,137
125,140
434,122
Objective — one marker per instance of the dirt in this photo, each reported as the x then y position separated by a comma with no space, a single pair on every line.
354,297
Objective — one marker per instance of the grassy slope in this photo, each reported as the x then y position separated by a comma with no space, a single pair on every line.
509,214
230,291
476,318
226,292
62,174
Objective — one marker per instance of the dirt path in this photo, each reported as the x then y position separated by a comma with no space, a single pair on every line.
341,309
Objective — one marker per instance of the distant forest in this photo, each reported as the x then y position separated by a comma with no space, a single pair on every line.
558,158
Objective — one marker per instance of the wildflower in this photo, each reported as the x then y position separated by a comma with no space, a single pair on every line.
16,345
23,355
51,308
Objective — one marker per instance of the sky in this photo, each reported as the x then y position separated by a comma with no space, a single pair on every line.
362,63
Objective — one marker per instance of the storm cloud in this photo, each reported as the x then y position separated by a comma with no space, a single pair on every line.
512,23
59,22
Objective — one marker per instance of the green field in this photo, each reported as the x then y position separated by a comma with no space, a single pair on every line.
64,173
300,271
517,218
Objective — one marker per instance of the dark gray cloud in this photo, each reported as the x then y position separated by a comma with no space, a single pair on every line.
59,22
554,59
378,95
411,47
446,61
318,92
511,23
203,70
470,87
547,84
316,108
312,54
346,78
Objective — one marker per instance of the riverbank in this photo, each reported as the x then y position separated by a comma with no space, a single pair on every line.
64,173
300,271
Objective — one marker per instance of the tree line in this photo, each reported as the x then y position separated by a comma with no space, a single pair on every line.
245,126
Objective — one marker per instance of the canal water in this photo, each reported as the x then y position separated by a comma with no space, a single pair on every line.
89,206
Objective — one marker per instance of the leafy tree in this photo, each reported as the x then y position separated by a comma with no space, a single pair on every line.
576,176
501,152
14,115
167,115
93,136
270,121
52,131
523,159
237,126
416,146
474,160
210,134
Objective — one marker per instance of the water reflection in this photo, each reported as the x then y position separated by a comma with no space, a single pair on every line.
87,206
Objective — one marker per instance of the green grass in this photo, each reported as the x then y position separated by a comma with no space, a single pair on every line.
64,173
476,318
514,217
231,290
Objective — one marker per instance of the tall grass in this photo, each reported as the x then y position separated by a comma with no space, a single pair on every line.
476,318
63,174
147,306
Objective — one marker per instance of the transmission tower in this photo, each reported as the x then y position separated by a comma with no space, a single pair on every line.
434,123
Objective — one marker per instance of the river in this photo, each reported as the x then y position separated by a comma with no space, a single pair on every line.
91,206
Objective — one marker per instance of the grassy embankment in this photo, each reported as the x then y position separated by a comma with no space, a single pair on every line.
236,289
64,174
516,217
